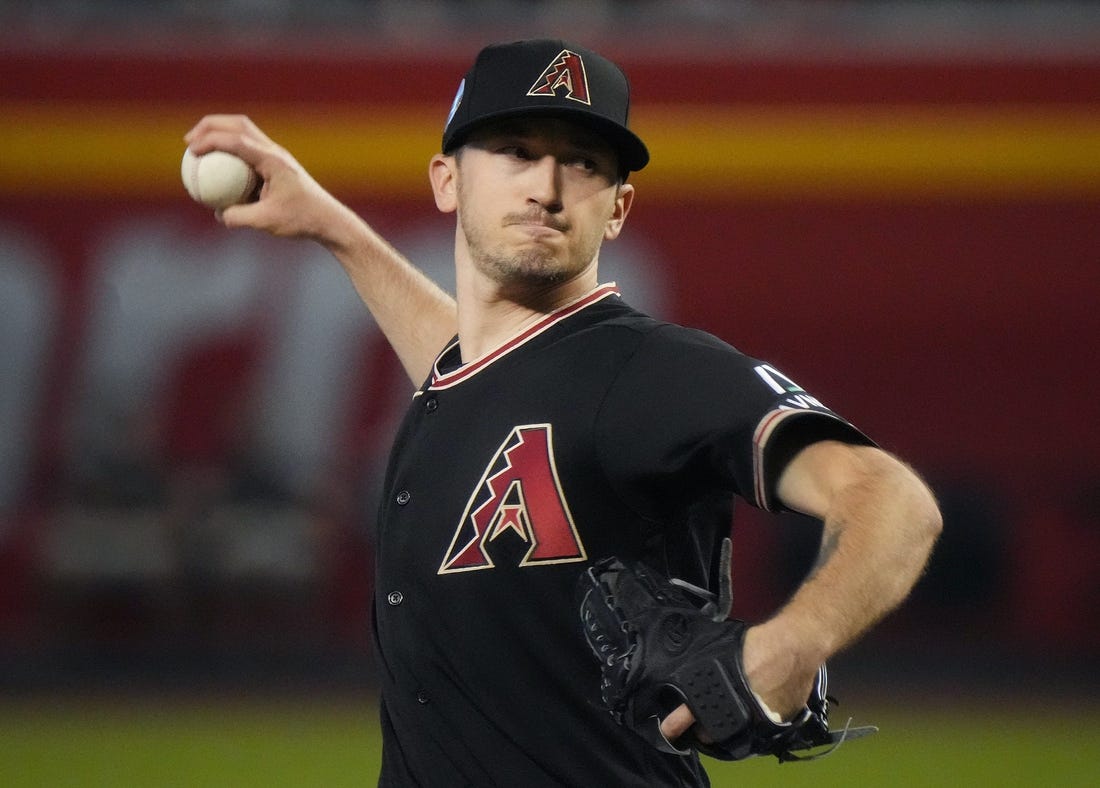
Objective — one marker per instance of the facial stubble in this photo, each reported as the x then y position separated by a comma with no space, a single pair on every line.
534,263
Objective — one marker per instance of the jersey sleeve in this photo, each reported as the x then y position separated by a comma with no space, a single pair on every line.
699,416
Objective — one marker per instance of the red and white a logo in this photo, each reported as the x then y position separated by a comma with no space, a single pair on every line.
566,70
519,492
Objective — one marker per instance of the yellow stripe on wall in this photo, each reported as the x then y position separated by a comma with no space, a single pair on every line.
132,151
124,150
901,150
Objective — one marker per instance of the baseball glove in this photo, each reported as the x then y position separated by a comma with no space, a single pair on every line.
663,642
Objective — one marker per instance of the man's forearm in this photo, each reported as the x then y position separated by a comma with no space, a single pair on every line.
876,538
415,314
880,523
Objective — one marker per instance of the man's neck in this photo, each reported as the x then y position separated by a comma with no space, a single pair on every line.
490,314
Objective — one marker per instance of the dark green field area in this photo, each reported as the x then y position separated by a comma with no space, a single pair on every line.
248,742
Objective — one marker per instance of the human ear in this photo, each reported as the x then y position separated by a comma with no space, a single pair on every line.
442,171
623,201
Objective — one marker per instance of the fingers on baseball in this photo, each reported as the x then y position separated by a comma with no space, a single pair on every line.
235,134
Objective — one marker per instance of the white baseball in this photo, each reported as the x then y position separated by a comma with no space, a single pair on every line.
218,179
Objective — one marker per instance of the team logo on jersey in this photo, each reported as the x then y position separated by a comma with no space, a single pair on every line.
519,493
565,71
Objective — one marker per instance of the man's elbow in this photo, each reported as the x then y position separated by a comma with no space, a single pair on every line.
924,519
908,503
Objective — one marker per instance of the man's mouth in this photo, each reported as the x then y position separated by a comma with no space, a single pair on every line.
537,222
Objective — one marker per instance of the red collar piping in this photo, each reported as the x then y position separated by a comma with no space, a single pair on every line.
443,381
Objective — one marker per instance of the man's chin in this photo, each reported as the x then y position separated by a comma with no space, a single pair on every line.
533,266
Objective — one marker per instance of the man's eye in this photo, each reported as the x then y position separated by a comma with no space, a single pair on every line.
516,151
585,163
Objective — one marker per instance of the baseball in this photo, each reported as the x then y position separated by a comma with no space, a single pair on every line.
218,179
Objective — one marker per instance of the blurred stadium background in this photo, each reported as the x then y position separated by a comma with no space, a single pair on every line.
896,202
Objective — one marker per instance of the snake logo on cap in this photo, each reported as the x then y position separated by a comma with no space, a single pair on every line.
565,70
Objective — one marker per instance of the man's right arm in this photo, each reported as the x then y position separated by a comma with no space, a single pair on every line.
415,315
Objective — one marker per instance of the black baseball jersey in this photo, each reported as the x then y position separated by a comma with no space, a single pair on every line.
599,431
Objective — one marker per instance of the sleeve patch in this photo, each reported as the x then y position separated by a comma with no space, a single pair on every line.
794,396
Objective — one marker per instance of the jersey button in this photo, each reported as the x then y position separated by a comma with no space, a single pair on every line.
395,598
431,405
403,497
422,697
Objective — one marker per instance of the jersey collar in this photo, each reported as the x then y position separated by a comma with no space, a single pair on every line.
443,380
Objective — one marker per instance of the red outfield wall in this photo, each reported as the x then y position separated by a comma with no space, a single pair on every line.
914,242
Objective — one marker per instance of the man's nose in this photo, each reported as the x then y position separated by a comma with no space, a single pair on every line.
545,183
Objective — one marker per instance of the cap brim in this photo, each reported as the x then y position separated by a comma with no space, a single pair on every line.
632,152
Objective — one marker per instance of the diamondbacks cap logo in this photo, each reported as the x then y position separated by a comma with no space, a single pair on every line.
565,71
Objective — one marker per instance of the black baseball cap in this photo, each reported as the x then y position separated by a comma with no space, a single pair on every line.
546,77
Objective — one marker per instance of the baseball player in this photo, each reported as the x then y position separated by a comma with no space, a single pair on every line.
554,426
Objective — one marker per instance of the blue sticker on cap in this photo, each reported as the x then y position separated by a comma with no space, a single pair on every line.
455,103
